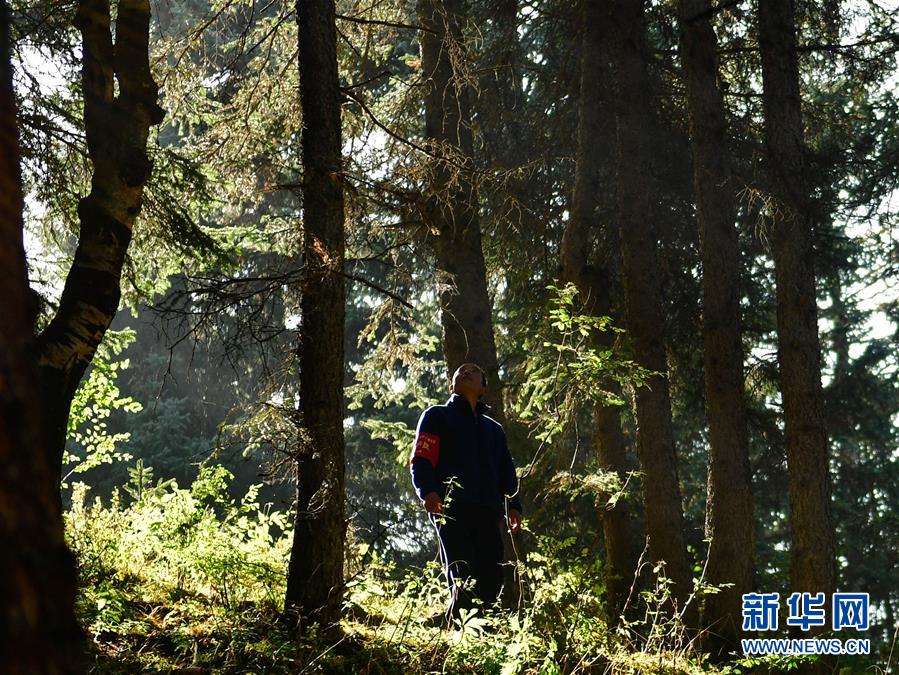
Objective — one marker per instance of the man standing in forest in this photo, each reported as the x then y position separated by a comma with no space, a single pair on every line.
463,472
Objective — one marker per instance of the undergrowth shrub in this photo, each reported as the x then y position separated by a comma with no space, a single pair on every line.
559,626
175,577
183,540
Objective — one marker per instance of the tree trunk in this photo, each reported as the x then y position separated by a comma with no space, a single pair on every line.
593,151
37,570
729,524
641,274
116,128
315,575
451,208
500,107
812,566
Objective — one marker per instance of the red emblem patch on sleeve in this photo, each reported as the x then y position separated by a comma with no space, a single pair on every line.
427,446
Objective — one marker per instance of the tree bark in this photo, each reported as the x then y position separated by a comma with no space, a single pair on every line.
501,102
116,128
315,575
641,274
594,149
729,515
37,570
812,566
451,208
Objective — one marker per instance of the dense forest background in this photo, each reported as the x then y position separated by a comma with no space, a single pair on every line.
260,235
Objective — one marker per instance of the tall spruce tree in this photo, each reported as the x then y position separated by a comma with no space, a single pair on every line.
642,290
450,206
791,213
729,514
315,573
595,149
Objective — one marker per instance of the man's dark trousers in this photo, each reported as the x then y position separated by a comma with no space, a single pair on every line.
472,551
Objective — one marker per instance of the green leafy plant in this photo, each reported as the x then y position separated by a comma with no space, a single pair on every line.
567,367
89,442
197,540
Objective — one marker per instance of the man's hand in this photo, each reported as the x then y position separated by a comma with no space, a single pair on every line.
433,503
514,521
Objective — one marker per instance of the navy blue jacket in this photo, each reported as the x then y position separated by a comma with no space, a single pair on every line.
451,441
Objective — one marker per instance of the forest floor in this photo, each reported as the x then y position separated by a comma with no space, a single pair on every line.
135,626
188,580
186,633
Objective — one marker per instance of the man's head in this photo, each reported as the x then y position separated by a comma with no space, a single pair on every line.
469,378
